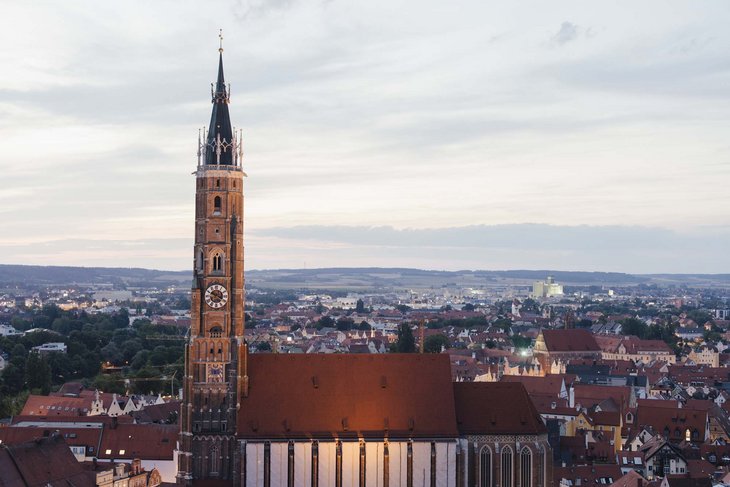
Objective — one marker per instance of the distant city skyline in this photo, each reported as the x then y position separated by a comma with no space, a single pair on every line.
567,136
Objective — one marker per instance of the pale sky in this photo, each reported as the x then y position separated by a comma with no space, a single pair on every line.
431,134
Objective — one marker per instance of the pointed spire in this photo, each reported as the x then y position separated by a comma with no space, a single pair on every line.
219,142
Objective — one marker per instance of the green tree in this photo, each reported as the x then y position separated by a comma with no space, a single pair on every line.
111,383
503,323
406,342
521,342
632,326
435,343
325,322
111,353
38,373
140,359
345,324
13,379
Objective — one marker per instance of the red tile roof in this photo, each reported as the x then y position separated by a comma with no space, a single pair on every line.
143,441
74,436
56,406
318,395
571,340
588,474
42,463
477,411
588,395
673,420
548,385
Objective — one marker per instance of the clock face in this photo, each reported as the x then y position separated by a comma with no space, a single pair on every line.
215,373
216,296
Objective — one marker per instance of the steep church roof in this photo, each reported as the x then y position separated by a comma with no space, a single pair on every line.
348,395
478,411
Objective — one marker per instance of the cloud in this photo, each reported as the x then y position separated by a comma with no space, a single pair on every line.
632,249
568,32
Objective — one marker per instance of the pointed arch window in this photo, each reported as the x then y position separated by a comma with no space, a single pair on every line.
506,469
214,461
217,261
525,467
485,467
217,205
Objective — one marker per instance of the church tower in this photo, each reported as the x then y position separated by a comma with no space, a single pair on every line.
215,356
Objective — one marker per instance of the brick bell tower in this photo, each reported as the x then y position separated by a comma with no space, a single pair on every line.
215,356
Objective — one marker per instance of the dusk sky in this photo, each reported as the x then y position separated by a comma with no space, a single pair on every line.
439,135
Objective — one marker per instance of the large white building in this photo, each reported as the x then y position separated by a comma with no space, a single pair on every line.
546,289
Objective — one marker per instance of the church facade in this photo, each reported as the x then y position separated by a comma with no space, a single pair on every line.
314,420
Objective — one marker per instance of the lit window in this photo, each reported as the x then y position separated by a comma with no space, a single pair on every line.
122,452
108,452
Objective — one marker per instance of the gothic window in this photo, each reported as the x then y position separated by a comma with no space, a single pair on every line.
362,464
433,464
485,467
267,464
217,205
506,469
338,464
290,465
214,461
315,464
526,468
409,465
217,262
216,332
217,183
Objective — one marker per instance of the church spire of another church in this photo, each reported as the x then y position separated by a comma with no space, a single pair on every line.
220,143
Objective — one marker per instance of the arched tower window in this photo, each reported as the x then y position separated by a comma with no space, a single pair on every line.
214,461
525,467
216,332
217,262
217,205
506,467
485,467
